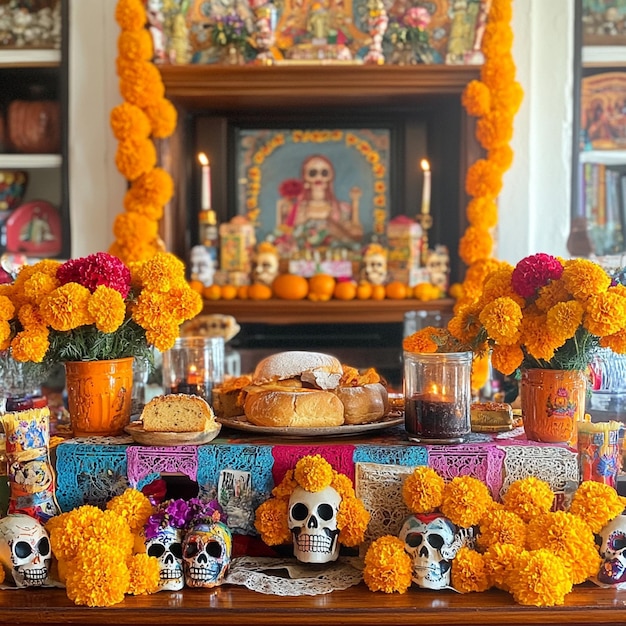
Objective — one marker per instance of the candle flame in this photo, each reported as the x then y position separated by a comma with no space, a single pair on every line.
203,158
425,165
193,378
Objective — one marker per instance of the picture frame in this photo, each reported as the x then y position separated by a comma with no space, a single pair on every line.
327,185
603,111
603,22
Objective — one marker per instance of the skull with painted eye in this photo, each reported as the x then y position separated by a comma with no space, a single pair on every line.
613,551
317,172
207,549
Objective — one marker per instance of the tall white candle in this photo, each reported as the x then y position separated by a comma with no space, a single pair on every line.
206,181
425,165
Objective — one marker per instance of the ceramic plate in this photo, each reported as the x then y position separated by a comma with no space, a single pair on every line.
241,423
168,439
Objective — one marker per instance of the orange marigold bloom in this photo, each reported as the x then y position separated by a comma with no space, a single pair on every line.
128,120
605,314
494,129
501,11
163,117
7,308
528,497
497,73
476,98
465,324
537,338
497,36
154,187
271,521
501,526
551,294
313,473
130,14
483,178
107,308
498,285
39,285
584,278
140,83
564,319
135,45
501,319
5,334
66,307
162,272
183,303
30,317
469,571
134,203
502,156
500,559
422,491
388,567
475,244
421,341
163,337
30,346
616,342
465,500
482,212
352,521
130,226
135,156
507,359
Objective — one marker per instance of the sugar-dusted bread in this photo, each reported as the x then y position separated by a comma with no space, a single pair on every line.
315,368
177,413
299,408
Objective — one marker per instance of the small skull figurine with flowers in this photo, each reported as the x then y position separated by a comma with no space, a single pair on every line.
315,508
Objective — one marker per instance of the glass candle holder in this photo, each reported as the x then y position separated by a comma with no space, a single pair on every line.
194,365
437,396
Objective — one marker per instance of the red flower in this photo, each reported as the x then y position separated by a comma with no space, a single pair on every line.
290,188
533,272
95,270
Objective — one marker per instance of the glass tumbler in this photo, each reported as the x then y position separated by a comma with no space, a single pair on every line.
194,365
437,396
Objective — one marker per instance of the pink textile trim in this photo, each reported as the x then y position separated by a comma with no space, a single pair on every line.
144,462
341,457
484,462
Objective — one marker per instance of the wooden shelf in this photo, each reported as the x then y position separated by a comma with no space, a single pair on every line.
202,86
29,57
30,161
357,605
331,312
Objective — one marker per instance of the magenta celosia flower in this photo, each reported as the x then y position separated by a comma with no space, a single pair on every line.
290,188
533,272
95,270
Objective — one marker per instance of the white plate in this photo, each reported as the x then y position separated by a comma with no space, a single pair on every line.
241,423
167,439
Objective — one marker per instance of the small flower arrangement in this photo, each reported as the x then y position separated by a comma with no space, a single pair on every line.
522,547
180,513
230,29
95,308
544,313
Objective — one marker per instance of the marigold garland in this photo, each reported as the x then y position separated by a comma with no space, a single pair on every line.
145,113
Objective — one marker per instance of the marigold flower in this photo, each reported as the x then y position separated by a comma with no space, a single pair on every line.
388,567
67,307
130,14
494,129
133,225
133,506
135,156
469,571
128,120
422,491
162,272
483,178
421,341
482,213
501,156
564,319
541,579
163,337
597,504
533,272
616,342
286,486
313,473
163,118
465,324
476,98
584,278
343,485
154,187
7,308
475,244
134,203
502,318
30,345
465,500
271,521
145,574
500,563
537,338
506,359
140,83
605,314
528,497
501,526
551,294
107,309
570,538
352,521
498,285
135,45
39,285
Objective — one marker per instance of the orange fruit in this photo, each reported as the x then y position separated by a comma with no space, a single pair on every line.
378,292
196,285
321,286
396,290
229,292
290,287
242,292
364,290
259,291
212,292
345,290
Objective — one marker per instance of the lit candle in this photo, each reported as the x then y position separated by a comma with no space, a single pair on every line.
426,188
193,378
206,181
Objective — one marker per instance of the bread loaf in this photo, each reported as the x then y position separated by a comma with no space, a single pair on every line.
177,413
364,404
315,368
297,408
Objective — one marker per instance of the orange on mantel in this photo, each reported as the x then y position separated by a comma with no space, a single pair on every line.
396,290
321,287
212,292
229,292
290,287
345,290
364,290
196,285
258,291
378,292
242,292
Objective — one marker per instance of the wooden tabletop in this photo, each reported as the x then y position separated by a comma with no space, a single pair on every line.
229,604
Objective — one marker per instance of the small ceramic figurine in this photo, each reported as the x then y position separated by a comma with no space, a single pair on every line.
374,268
207,550
202,265
613,552
266,264
166,546
438,266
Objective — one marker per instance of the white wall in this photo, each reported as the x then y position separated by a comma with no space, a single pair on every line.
535,201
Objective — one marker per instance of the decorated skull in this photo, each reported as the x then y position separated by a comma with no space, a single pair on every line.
25,550
375,265
207,548
266,265
430,541
167,548
613,551
313,524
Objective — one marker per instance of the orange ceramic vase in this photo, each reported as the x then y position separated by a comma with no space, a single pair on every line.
552,402
99,396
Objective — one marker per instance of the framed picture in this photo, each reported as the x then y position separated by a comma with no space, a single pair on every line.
604,22
314,187
603,111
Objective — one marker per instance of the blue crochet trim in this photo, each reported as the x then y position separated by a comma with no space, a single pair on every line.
411,456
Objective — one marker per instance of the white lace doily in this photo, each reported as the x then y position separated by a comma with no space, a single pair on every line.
288,577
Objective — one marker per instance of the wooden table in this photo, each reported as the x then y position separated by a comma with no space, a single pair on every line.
237,606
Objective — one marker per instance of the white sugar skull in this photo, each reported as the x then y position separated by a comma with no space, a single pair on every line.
313,524
613,551
167,548
430,541
266,267
207,549
25,550
375,267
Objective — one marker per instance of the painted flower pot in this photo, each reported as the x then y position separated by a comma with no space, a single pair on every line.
553,401
99,396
